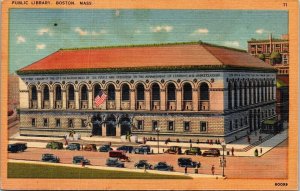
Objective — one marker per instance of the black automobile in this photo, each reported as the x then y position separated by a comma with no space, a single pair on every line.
16,147
105,148
50,158
125,148
73,146
212,152
163,166
80,160
187,162
142,149
142,164
114,162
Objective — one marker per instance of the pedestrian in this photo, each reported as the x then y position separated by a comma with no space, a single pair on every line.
110,144
198,141
260,139
232,151
260,150
82,147
256,153
145,168
190,140
185,170
82,163
249,139
213,170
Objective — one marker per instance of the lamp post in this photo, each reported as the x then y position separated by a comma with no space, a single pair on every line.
223,161
157,129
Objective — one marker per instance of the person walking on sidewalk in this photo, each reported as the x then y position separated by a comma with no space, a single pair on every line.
232,151
185,170
213,170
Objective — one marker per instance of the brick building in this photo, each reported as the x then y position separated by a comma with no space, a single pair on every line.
187,90
273,51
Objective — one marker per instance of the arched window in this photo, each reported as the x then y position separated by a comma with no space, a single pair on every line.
125,92
187,92
33,93
97,90
71,96
204,92
58,93
155,93
229,96
84,92
171,95
46,93
140,91
111,92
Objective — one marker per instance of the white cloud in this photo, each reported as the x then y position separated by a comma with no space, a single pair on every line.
232,43
201,31
81,32
43,31
260,31
40,46
21,39
163,28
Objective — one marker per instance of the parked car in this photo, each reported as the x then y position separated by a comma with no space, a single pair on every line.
125,148
187,162
118,154
50,158
163,166
73,146
54,145
114,162
211,152
174,150
105,148
17,147
193,151
142,149
90,147
80,160
142,163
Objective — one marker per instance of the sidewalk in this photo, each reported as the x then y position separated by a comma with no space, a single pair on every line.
119,169
239,146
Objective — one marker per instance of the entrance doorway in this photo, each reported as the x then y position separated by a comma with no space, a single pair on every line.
125,125
97,125
111,126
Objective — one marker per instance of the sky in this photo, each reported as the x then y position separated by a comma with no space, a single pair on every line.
36,33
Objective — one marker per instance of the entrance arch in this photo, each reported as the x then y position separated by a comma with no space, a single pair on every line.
111,125
97,125
125,125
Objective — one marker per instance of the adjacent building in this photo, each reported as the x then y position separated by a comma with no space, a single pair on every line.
273,51
194,91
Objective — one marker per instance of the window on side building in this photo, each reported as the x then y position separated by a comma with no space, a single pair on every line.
140,124
33,122
236,124
171,125
57,122
45,122
186,126
203,126
70,123
230,125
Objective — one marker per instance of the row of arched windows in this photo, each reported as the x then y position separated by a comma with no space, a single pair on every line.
155,94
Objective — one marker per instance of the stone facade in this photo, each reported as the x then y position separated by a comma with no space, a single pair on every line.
185,105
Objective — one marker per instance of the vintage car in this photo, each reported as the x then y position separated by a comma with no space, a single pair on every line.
50,158
142,164
174,150
80,160
193,151
142,149
54,145
125,148
73,146
105,148
118,154
211,152
16,147
187,162
163,166
114,162
90,147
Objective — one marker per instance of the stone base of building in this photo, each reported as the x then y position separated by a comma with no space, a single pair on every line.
50,132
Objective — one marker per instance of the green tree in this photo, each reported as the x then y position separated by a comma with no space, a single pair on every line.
262,57
275,57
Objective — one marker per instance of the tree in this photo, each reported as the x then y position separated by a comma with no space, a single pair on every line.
275,58
262,57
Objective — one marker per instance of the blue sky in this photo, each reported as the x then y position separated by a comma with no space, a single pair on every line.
36,33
